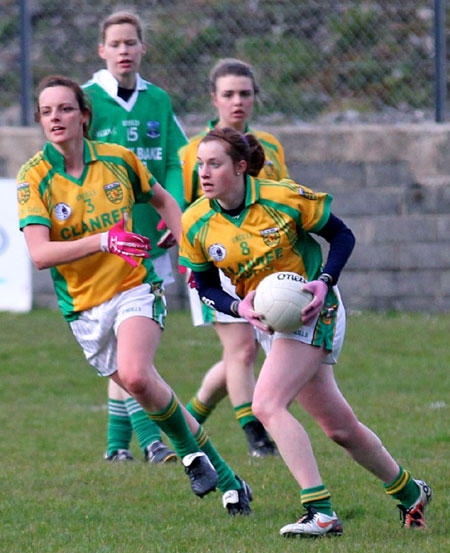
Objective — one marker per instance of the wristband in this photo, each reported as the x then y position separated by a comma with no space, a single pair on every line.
104,242
328,279
234,307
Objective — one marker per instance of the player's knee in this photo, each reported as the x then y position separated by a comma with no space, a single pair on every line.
264,410
136,384
343,435
338,435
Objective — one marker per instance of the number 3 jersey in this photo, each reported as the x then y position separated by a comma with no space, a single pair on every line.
112,182
270,234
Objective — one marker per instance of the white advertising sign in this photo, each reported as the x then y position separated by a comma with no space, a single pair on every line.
15,264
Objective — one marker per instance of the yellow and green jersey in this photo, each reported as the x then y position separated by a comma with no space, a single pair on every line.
271,234
113,180
274,166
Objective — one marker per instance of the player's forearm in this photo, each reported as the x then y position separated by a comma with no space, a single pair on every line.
46,254
211,292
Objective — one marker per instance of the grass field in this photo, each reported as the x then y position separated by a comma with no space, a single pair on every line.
57,494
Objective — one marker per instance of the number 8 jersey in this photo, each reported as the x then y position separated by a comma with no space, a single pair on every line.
270,234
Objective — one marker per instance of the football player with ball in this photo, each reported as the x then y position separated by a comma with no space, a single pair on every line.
248,228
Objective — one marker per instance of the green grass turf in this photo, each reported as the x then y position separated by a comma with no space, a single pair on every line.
58,495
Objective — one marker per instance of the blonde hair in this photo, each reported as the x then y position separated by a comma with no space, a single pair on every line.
119,18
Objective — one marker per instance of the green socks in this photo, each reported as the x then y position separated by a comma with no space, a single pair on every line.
227,479
172,422
403,488
146,430
244,414
317,497
119,426
200,411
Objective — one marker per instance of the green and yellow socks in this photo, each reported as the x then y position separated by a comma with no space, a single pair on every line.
403,488
244,414
318,498
199,410
172,422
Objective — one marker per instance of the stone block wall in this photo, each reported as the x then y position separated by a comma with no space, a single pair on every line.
391,185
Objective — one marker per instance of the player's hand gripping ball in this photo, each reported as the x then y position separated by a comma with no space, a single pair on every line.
280,298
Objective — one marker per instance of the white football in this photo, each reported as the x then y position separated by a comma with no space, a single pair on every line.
280,298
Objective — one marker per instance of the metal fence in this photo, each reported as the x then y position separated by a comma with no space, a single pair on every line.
322,61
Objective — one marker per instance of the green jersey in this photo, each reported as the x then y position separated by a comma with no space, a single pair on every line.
146,125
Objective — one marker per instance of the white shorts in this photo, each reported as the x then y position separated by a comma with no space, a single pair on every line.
163,268
96,328
308,334
202,315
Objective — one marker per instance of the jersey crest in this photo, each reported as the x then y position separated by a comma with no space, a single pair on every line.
153,129
271,237
23,192
114,192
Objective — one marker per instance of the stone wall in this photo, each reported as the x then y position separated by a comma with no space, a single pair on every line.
391,185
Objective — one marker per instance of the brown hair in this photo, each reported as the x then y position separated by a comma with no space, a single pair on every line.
119,18
60,80
231,66
240,147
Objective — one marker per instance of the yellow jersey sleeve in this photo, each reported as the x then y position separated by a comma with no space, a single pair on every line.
195,225
188,158
32,207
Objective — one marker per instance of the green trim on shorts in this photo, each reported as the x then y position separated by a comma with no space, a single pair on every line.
326,322
209,314
159,310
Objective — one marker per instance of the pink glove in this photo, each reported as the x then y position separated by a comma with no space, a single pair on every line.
167,240
319,289
182,269
245,310
124,244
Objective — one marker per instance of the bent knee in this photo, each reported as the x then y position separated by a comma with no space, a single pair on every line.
265,410
344,436
135,384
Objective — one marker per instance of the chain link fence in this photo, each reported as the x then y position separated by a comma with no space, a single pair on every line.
316,61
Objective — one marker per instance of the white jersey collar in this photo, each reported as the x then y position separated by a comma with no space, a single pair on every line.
106,80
